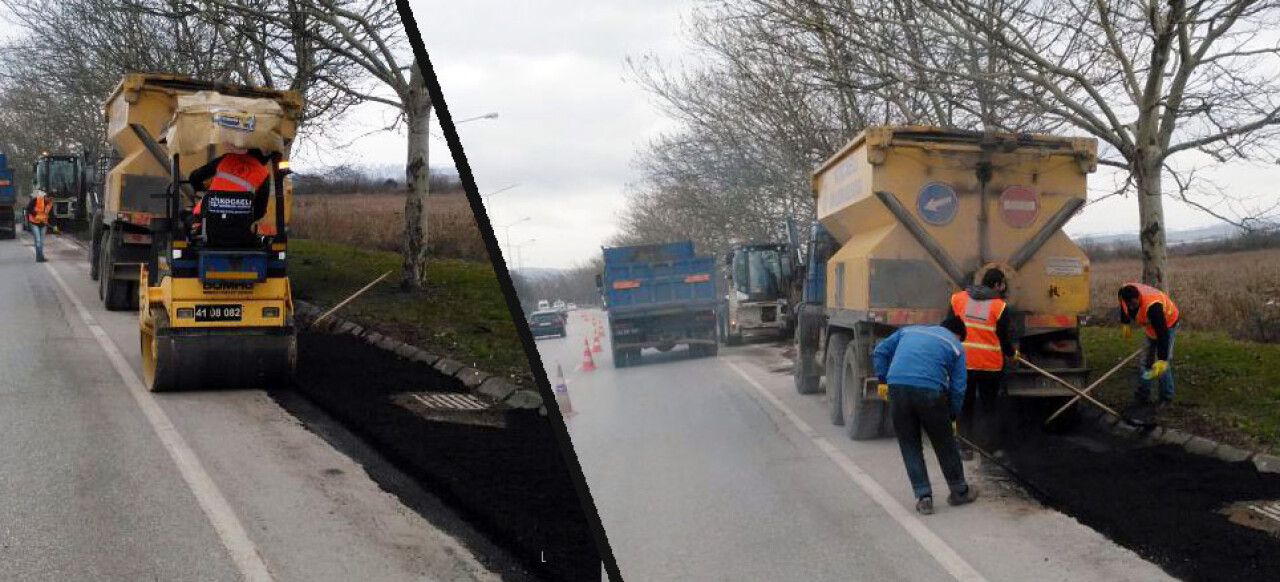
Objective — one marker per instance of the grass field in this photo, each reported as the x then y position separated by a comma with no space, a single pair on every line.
1227,346
1227,389
376,221
460,314
1235,293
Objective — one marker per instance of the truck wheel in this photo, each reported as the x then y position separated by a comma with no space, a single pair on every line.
619,358
713,350
733,339
806,345
116,294
837,344
95,254
862,416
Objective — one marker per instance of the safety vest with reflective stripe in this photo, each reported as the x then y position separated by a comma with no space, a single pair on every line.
238,173
1148,296
41,211
981,344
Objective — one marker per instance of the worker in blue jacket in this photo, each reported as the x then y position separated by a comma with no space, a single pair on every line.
924,369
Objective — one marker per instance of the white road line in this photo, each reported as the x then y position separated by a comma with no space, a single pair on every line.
943,553
215,506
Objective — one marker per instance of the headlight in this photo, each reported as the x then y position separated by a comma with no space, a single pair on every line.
186,312
270,312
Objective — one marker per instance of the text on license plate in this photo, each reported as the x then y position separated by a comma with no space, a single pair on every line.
219,312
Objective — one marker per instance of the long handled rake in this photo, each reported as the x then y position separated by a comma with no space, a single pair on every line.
1085,393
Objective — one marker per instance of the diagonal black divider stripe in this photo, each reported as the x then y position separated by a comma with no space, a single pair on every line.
508,290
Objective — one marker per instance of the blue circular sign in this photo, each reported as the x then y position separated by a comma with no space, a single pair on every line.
937,203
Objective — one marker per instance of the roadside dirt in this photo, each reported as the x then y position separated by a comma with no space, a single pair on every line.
1161,502
510,482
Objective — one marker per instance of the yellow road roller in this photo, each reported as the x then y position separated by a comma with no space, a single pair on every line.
215,309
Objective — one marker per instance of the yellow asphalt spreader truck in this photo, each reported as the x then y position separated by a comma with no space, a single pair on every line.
215,309
909,215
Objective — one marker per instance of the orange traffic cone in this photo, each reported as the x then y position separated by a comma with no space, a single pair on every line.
588,365
595,347
562,394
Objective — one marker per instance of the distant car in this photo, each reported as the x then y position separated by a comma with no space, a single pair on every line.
547,323
544,305
573,307
559,306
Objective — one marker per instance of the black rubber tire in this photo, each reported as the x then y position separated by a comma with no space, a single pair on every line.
805,372
862,417
733,339
713,350
836,346
116,294
619,358
95,248
158,362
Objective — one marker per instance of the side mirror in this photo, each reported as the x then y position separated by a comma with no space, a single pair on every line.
599,281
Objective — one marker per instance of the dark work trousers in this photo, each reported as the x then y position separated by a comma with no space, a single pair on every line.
980,420
916,410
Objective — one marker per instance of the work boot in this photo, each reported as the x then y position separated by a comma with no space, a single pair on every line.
924,505
969,495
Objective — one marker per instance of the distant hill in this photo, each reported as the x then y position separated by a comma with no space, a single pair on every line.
537,273
1173,238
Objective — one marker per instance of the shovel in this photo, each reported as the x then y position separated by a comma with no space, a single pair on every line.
1085,393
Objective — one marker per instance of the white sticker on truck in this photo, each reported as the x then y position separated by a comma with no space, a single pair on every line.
1063,266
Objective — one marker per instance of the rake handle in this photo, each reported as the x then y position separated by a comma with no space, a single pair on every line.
1079,392
1095,384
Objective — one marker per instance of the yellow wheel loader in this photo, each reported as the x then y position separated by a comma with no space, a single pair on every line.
215,309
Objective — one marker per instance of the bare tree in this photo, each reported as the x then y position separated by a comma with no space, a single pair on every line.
782,85
1149,80
368,35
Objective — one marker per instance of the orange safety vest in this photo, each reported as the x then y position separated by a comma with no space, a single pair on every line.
981,344
1148,296
238,173
41,214
242,173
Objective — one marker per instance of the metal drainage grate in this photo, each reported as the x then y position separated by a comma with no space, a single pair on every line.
1263,515
451,401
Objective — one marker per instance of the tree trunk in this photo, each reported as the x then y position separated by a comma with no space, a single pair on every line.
1151,217
418,114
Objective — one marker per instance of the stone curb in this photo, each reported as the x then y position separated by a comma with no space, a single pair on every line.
1193,444
492,388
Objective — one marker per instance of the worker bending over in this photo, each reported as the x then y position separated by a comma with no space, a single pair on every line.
925,371
38,209
1158,315
988,341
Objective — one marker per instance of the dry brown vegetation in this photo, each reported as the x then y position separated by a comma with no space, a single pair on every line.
376,221
1235,292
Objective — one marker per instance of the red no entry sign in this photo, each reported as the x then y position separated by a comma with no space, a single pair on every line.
1019,206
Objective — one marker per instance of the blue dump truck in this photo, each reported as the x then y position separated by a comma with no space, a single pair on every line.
8,202
659,296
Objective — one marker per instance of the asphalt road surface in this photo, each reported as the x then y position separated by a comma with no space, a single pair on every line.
100,480
716,469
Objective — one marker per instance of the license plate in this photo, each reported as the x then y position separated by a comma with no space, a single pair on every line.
219,312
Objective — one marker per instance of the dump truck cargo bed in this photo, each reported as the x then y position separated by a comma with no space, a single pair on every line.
917,213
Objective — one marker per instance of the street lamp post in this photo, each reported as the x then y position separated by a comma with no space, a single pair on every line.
497,192
507,231
490,115
519,256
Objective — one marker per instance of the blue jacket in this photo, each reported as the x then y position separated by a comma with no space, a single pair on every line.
924,356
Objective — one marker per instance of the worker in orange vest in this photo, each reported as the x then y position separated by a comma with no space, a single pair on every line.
988,343
38,210
1152,309
238,170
